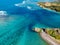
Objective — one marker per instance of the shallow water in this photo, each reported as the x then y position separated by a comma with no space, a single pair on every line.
16,27
17,30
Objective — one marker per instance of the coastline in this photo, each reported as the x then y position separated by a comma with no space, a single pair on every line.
51,10
47,4
50,40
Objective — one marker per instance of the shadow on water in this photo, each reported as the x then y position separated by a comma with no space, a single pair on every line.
49,18
46,17
18,10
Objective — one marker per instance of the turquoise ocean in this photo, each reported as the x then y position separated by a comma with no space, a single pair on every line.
16,26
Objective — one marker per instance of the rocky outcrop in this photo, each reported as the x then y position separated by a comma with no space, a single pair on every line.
50,5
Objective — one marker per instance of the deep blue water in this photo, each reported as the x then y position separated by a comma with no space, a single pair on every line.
16,27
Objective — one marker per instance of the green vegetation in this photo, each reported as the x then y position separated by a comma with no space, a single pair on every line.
54,34
52,5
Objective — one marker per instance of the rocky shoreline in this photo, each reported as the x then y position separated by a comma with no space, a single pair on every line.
47,37
50,40
50,5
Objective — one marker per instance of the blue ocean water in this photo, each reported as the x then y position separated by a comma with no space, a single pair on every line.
16,30
16,27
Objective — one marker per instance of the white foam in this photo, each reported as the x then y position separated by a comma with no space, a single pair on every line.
3,13
28,7
20,4
23,2
16,4
28,4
